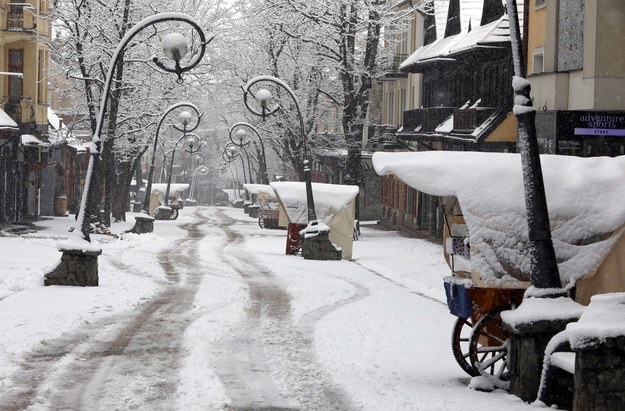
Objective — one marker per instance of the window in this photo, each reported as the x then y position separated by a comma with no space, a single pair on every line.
16,65
539,4
539,54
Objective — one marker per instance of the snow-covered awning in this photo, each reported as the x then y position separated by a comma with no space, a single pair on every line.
6,122
584,196
30,140
55,121
329,199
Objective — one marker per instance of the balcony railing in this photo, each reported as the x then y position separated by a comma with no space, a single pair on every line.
468,119
13,108
392,69
16,21
427,118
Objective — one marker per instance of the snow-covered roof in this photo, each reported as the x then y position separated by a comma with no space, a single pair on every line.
6,121
490,35
329,199
263,190
584,197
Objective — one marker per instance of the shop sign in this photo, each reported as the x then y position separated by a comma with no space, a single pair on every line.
600,124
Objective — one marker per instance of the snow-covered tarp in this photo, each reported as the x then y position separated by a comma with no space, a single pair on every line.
233,194
261,190
174,188
329,199
585,198
334,206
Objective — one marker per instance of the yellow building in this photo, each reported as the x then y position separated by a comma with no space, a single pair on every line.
24,56
24,31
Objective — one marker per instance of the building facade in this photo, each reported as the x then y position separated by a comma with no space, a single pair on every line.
455,94
577,71
24,56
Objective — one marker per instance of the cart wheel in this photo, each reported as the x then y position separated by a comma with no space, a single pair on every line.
460,339
488,346
261,222
174,214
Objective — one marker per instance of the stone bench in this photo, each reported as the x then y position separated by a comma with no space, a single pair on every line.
584,365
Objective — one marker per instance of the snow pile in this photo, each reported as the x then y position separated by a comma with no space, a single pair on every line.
583,196
604,318
539,309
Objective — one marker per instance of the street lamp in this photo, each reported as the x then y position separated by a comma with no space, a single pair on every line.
144,222
229,156
199,171
192,140
170,48
241,135
264,99
78,265
231,153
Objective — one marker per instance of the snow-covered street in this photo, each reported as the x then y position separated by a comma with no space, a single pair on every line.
208,313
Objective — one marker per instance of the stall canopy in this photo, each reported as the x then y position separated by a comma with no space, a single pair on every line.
584,196
159,190
335,205
261,191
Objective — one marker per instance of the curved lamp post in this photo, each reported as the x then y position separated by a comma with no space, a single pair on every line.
79,264
184,117
174,48
199,171
241,135
164,212
263,99
230,154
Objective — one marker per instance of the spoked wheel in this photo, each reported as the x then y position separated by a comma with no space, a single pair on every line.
261,222
174,214
488,346
460,343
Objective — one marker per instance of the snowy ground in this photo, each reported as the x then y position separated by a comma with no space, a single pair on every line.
207,313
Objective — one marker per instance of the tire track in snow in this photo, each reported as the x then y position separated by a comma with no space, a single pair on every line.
270,363
117,362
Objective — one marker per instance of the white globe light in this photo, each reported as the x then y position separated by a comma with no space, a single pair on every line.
263,97
175,46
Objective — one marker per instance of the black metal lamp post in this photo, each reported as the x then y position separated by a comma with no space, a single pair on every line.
175,47
199,171
78,265
231,153
241,135
544,268
193,141
184,120
263,98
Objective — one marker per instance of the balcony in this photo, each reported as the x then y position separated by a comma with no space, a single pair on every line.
468,119
16,20
425,119
391,71
13,108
